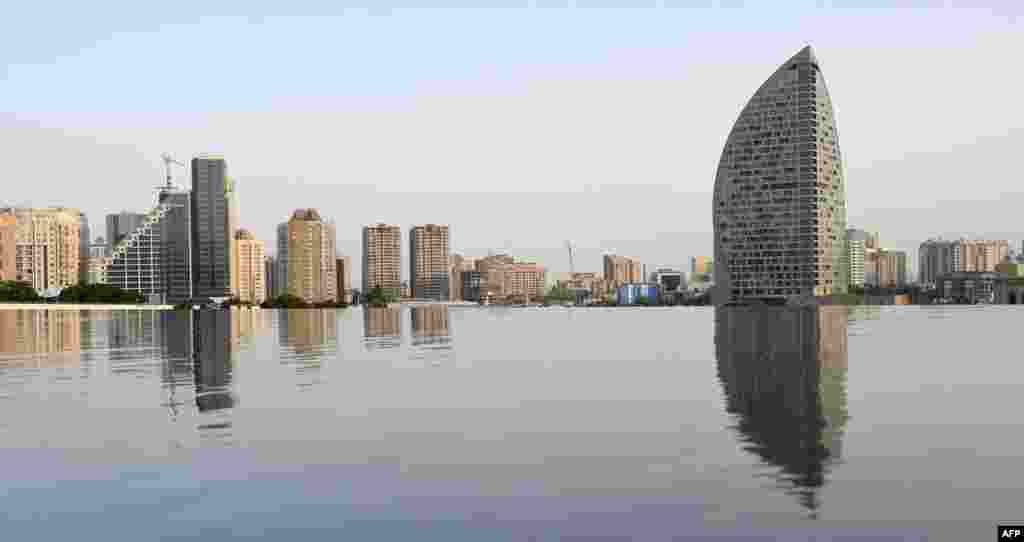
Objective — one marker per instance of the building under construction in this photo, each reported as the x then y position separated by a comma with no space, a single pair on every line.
155,258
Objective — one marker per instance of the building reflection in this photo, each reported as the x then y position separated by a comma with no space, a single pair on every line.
133,328
382,327
246,325
211,355
307,331
783,371
430,325
40,331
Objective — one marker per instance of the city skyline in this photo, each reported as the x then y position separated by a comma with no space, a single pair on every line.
663,94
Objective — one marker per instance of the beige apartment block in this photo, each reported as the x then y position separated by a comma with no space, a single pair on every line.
47,247
311,261
248,260
938,257
382,258
344,279
459,265
429,271
8,245
619,270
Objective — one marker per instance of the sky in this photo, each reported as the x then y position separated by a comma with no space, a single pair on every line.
521,124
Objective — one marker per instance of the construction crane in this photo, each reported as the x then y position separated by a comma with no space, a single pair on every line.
168,160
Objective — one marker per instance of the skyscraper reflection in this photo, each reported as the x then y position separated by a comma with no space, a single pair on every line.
307,331
40,331
211,366
783,371
382,327
430,325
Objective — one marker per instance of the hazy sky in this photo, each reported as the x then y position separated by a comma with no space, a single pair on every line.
520,126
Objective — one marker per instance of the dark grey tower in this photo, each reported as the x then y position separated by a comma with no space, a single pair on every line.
779,205
211,240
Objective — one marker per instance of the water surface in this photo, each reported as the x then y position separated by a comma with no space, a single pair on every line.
461,423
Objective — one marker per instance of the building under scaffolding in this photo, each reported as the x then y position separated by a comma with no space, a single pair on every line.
155,258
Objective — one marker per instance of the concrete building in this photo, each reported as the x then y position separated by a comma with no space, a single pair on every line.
524,280
343,269
155,259
96,262
83,248
969,287
121,225
669,280
8,245
281,261
329,260
939,257
382,258
429,270
212,237
270,274
47,252
700,265
619,270
233,212
890,268
310,243
855,252
470,287
779,203
249,261
459,265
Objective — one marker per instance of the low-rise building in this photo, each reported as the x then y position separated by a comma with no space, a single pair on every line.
970,287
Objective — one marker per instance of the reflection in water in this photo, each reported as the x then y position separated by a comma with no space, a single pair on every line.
382,327
784,375
246,325
308,337
430,324
211,342
40,331
431,336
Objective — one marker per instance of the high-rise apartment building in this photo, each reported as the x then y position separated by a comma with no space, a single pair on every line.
233,213
47,252
8,245
343,269
281,261
382,258
890,268
701,265
155,259
270,273
619,270
937,257
121,225
429,271
83,248
211,224
779,203
855,251
310,243
329,261
249,262
459,265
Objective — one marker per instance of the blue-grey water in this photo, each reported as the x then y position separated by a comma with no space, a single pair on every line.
471,424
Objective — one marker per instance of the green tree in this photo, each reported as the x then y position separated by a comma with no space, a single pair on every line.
377,297
100,293
17,292
642,300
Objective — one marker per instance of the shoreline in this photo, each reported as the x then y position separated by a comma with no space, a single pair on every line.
82,307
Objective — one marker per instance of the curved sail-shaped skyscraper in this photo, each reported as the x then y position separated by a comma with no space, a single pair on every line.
779,203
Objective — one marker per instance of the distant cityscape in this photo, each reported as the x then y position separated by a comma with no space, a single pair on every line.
780,234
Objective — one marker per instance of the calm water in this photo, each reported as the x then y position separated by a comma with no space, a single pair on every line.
469,424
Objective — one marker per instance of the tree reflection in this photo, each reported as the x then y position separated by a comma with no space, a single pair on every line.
783,371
